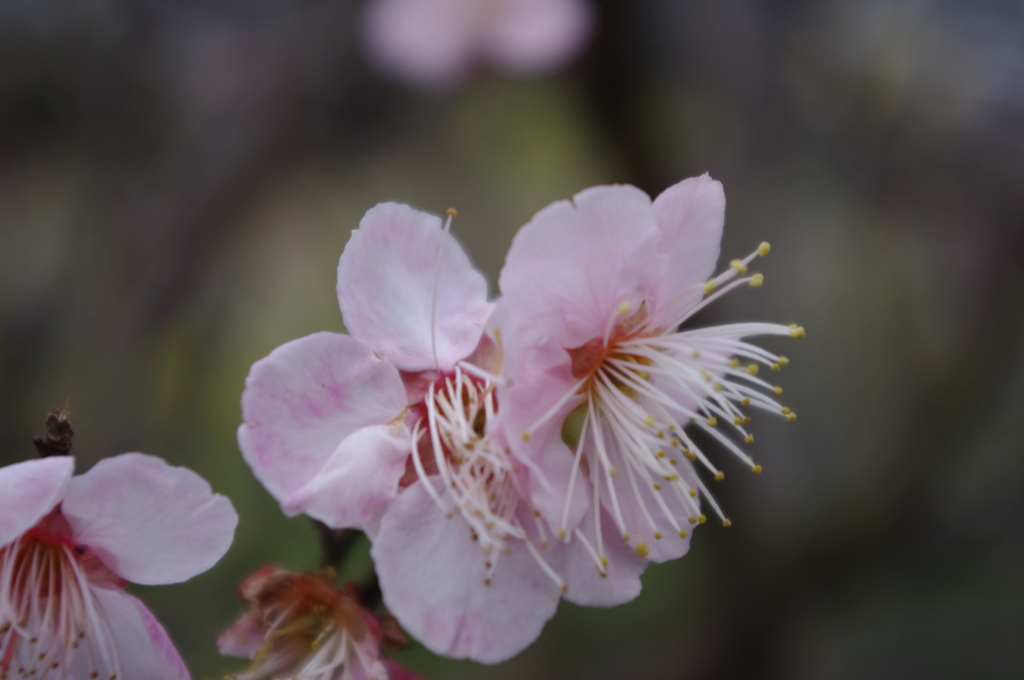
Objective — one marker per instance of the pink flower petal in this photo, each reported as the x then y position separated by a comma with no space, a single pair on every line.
358,480
573,264
244,638
367,664
29,490
302,401
691,215
536,35
149,522
432,577
144,649
584,583
386,289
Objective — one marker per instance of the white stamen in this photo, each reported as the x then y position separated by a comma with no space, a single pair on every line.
47,609
637,402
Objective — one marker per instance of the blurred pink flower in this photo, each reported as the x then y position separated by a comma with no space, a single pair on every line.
69,545
303,627
602,382
438,42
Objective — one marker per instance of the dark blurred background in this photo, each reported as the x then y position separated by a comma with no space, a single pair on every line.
179,177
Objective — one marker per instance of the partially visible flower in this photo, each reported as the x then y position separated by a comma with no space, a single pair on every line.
438,42
303,627
603,384
69,546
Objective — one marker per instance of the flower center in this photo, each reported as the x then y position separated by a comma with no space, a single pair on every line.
476,472
641,384
47,609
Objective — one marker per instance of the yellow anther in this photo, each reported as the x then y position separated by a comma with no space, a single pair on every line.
561,534
737,421
661,434
452,212
752,369
693,493
657,487
757,280
642,550
749,439
718,387
791,417
525,436
764,248
709,287
786,411
487,581
625,537
564,589
660,454
624,308
692,520
719,476
726,523
612,472
775,367
683,533
672,477
746,419
657,535
690,454
734,362
796,331
745,402
536,513
738,266
671,461
695,354
702,518
604,562
756,469
713,421
649,421
783,361
778,390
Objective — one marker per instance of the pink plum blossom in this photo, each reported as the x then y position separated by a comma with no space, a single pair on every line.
603,384
395,430
437,42
330,410
303,627
68,547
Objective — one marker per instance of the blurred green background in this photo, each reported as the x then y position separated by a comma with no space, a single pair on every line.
179,177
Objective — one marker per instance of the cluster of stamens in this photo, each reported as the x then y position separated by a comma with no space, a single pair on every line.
642,383
474,470
311,627
48,611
